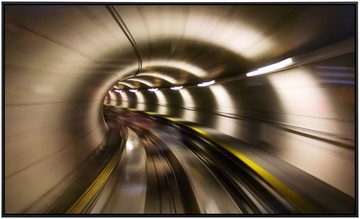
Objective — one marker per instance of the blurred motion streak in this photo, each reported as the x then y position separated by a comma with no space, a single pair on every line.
159,75
140,100
161,102
271,68
225,105
141,81
189,113
126,84
176,123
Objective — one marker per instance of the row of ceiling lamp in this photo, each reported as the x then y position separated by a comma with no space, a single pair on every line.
264,70
203,84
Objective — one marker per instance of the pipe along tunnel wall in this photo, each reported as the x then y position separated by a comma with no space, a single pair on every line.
60,61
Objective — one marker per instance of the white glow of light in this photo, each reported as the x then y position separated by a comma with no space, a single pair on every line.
129,145
204,84
188,115
112,98
141,81
133,90
124,99
126,84
192,69
176,88
181,65
162,109
307,104
153,89
224,104
140,101
235,35
304,101
210,26
118,91
271,68
159,75
130,68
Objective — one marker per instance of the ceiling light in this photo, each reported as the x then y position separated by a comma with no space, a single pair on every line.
176,88
152,89
133,90
204,84
271,68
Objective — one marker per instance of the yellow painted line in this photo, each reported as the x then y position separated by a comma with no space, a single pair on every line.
80,205
283,189
171,119
200,131
151,113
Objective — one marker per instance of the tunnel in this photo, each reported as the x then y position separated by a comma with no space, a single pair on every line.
192,109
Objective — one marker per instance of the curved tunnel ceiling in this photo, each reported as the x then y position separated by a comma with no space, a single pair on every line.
211,47
61,61
241,38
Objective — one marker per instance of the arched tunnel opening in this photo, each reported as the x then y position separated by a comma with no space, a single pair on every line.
233,109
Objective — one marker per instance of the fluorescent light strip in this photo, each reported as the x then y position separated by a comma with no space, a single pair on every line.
133,90
176,88
189,68
118,91
271,68
204,84
152,89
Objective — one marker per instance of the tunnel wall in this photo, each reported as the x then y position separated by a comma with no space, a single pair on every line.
304,115
61,60
54,91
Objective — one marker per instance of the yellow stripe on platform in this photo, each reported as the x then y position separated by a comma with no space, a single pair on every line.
279,186
283,189
80,205
171,119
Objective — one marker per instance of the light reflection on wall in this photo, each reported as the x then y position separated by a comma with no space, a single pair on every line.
148,83
126,84
201,24
225,105
304,102
181,65
140,101
113,98
162,103
307,105
176,64
124,100
235,36
188,114
159,75
130,68
107,99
